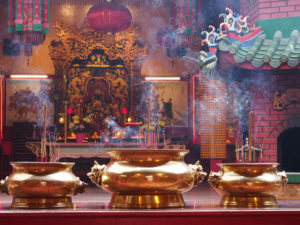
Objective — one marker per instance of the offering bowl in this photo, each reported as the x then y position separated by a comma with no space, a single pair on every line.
146,178
42,185
248,184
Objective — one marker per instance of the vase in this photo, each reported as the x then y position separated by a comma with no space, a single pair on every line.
146,178
250,185
41,185
80,137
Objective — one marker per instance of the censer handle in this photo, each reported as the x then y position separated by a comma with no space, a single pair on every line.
80,188
214,178
96,173
198,173
3,185
283,177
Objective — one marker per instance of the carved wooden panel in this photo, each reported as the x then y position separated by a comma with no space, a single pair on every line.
290,96
78,43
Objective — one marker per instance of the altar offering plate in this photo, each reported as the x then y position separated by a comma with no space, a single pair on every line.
251,185
38,185
146,178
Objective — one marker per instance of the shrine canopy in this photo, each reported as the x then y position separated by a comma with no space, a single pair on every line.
247,46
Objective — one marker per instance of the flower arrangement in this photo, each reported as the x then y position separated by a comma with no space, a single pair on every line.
158,125
161,123
156,133
80,125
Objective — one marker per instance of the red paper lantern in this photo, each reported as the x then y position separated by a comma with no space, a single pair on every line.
109,17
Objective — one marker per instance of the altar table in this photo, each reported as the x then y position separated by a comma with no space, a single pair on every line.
80,150
89,150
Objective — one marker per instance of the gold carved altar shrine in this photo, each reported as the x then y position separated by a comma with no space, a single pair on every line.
96,75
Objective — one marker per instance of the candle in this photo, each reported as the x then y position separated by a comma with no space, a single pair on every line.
250,136
148,124
66,122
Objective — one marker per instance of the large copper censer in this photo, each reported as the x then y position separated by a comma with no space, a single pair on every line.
146,178
42,185
248,184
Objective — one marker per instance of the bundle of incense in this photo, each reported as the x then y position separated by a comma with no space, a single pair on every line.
250,137
44,138
261,150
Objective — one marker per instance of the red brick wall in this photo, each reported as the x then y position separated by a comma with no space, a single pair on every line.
268,123
268,9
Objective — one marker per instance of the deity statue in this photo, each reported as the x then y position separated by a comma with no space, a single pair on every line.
97,101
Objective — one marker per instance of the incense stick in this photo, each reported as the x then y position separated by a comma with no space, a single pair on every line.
262,146
148,124
250,136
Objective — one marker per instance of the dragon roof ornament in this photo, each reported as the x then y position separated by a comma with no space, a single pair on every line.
234,28
232,23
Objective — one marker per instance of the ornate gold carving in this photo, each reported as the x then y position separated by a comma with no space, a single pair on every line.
96,173
34,147
291,96
78,42
198,173
290,191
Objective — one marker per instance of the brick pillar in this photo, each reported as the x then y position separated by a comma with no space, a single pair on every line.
212,118
269,9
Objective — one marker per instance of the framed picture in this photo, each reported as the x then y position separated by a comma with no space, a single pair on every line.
170,100
26,100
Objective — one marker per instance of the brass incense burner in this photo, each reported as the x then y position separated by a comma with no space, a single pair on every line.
42,185
146,178
248,184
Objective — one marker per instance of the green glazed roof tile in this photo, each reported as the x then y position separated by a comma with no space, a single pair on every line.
293,62
276,57
294,56
275,63
296,52
274,51
257,62
259,56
